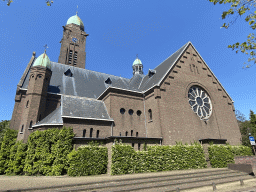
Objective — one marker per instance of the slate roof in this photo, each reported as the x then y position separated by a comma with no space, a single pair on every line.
83,108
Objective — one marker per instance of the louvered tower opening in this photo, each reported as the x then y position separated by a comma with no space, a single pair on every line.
75,58
70,57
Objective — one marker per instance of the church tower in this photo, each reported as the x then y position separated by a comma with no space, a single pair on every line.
72,51
137,66
35,100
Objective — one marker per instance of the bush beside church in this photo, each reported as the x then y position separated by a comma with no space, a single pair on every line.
51,153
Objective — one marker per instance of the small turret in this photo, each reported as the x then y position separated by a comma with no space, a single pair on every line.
137,66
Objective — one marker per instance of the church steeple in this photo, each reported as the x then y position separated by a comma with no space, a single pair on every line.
137,66
72,51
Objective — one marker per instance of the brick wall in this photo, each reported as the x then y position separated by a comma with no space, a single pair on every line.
247,160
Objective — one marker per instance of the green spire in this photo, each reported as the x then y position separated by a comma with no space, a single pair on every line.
43,60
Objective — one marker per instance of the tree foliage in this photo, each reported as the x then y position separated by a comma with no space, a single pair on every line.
4,125
237,9
48,3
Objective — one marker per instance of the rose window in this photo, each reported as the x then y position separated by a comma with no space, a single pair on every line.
200,102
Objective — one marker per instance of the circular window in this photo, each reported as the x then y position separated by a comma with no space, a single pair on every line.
200,102
122,110
130,111
138,112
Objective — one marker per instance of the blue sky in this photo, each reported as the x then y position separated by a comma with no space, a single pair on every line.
120,29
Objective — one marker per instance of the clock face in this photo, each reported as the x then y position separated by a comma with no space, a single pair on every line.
74,40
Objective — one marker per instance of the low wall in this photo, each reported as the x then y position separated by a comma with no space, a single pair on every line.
242,163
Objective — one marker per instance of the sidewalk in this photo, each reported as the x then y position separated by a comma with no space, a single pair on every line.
39,182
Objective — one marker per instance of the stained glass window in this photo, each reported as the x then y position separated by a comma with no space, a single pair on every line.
200,102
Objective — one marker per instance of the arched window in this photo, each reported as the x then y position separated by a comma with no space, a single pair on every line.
70,57
139,146
120,134
126,133
137,134
27,103
30,125
98,132
75,57
84,132
131,133
91,130
21,130
150,114
138,112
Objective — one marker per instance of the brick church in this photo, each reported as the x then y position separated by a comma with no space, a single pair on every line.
179,100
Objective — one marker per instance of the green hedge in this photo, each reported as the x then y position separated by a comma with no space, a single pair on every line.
47,152
221,155
157,158
88,160
9,140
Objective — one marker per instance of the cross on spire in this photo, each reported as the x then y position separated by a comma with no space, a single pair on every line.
77,10
137,56
45,47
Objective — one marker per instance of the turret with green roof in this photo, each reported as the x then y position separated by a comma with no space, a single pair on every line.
43,61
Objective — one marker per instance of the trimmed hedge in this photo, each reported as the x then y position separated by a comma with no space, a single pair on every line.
47,152
221,155
9,140
88,160
126,160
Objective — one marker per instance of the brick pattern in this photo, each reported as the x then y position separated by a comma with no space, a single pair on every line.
247,160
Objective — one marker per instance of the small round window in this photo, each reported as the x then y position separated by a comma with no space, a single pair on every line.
138,112
122,110
200,102
130,111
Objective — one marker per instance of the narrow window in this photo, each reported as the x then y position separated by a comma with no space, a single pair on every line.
126,133
30,125
27,104
131,133
139,146
150,114
84,132
91,130
133,145
120,134
137,134
98,132
21,130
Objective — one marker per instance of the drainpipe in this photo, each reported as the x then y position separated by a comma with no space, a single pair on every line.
112,128
145,115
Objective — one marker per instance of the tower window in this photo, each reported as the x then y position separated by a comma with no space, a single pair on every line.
70,57
98,132
150,114
75,58
120,134
137,134
84,132
21,130
91,130
30,125
131,133
122,110
126,133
